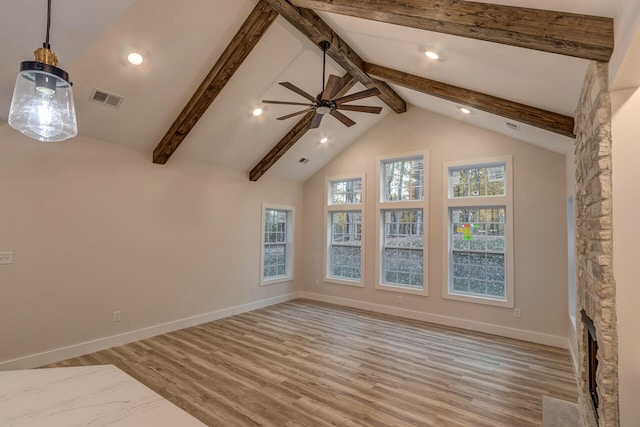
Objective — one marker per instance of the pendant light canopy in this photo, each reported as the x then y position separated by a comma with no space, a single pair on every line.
42,105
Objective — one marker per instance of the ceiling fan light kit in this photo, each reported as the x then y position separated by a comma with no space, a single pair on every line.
42,105
325,103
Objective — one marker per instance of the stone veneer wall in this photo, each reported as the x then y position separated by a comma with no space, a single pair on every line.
594,246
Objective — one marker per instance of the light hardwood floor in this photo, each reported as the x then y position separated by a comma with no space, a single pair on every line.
305,363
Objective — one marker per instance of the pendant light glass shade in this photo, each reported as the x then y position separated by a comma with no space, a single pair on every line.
42,105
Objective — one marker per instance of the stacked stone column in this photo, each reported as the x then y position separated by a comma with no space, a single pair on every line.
594,246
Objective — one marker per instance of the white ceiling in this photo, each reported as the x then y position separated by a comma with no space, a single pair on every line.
182,40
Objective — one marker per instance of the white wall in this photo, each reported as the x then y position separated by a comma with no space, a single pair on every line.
96,227
626,247
540,223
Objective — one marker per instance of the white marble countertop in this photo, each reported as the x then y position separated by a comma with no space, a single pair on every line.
84,396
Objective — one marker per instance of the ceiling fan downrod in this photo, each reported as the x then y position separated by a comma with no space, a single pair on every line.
324,45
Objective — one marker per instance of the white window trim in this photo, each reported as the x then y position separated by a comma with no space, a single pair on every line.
290,238
329,209
571,257
486,201
381,205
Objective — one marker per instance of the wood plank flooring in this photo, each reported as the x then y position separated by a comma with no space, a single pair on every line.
304,363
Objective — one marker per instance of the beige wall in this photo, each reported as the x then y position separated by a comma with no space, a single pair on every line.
539,208
96,227
627,24
626,247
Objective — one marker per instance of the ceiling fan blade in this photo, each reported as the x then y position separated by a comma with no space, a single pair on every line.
344,119
296,114
298,91
359,95
316,121
331,87
264,101
361,108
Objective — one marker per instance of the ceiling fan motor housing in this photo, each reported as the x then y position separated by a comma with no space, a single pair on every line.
325,107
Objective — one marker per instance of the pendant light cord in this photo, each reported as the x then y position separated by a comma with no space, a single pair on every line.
46,43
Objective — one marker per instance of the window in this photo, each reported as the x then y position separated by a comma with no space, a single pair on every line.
402,212
277,244
478,214
344,239
345,191
403,179
478,181
478,251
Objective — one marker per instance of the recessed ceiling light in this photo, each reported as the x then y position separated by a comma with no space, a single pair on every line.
464,110
324,140
432,55
257,112
135,58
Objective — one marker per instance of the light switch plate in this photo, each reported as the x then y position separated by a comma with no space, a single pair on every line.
6,257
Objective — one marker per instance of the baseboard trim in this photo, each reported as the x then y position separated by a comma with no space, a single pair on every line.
76,350
503,331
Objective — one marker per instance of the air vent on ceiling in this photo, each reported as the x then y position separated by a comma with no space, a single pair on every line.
106,98
513,126
304,160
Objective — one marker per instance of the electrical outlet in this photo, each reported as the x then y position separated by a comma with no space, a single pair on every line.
516,312
317,282
399,300
6,257
116,316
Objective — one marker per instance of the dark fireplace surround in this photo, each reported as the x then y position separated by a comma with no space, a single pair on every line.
592,358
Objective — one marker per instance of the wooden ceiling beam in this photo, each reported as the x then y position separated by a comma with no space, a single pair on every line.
316,30
295,134
236,52
582,36
537,117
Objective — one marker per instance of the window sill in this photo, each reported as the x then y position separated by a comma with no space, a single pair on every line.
346,282
275,280
476,299
401,289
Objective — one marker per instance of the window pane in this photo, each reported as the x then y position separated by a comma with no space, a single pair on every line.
345,192
274,260
403,179
346,227
403,248
480,181
345,262
403,228
477,254
345,250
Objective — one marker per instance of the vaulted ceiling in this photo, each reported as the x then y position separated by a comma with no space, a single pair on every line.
210,62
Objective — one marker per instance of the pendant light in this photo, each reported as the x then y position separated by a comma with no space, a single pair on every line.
42,105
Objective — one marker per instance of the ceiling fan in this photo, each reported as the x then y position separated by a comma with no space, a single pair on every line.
325,103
